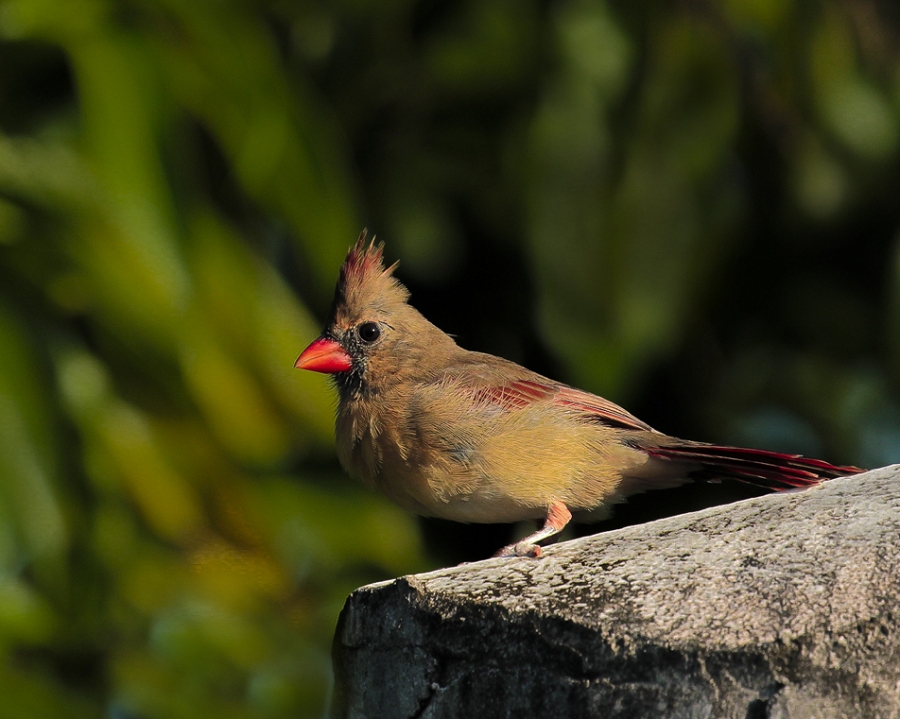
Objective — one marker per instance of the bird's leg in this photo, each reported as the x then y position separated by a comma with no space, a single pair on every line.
558,516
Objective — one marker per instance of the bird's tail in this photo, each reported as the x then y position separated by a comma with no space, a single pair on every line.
775,471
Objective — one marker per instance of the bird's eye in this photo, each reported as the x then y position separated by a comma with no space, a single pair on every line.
369,331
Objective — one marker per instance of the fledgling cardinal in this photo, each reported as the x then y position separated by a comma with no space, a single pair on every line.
445,432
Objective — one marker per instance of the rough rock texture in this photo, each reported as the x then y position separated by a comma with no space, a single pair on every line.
782,606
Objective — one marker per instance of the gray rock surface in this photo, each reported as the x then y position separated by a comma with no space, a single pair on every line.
782,606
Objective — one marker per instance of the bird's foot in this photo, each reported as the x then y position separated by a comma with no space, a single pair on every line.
521,549
558,516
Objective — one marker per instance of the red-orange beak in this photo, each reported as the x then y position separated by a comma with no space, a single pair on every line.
324,355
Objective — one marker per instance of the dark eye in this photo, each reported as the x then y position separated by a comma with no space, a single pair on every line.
369,331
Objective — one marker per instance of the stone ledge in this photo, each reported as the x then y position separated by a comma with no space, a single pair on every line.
785,605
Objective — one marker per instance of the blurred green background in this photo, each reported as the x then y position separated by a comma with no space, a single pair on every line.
691,208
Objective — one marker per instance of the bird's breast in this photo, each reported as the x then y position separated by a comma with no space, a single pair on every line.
440,454
379,446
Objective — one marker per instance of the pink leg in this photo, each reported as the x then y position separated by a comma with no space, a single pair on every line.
558,516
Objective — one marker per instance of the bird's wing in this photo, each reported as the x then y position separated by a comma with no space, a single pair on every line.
599,409
521,393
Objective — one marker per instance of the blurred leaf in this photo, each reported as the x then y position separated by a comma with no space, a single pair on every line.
316,530
24,616
241,418
486,48
819,179
222,65
854,109
647,250
129,453
29,475
12,222
260,324
30,695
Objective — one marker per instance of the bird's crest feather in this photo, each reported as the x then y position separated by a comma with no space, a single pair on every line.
364,281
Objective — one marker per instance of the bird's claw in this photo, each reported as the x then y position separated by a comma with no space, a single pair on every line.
521,549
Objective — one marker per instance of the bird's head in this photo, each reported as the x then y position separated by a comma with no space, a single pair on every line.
371,326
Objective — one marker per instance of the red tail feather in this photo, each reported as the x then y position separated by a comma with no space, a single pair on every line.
771,470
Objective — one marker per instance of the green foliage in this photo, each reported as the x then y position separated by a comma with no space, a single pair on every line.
628,195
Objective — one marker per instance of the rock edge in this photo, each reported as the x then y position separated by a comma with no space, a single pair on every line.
782,606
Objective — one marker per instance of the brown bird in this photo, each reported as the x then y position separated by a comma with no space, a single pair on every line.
445,432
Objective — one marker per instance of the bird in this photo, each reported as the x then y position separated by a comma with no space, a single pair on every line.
447,432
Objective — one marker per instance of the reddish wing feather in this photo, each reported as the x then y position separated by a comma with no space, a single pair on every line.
515,395
599,409
521,393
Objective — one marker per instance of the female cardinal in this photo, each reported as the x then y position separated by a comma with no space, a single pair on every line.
462,435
